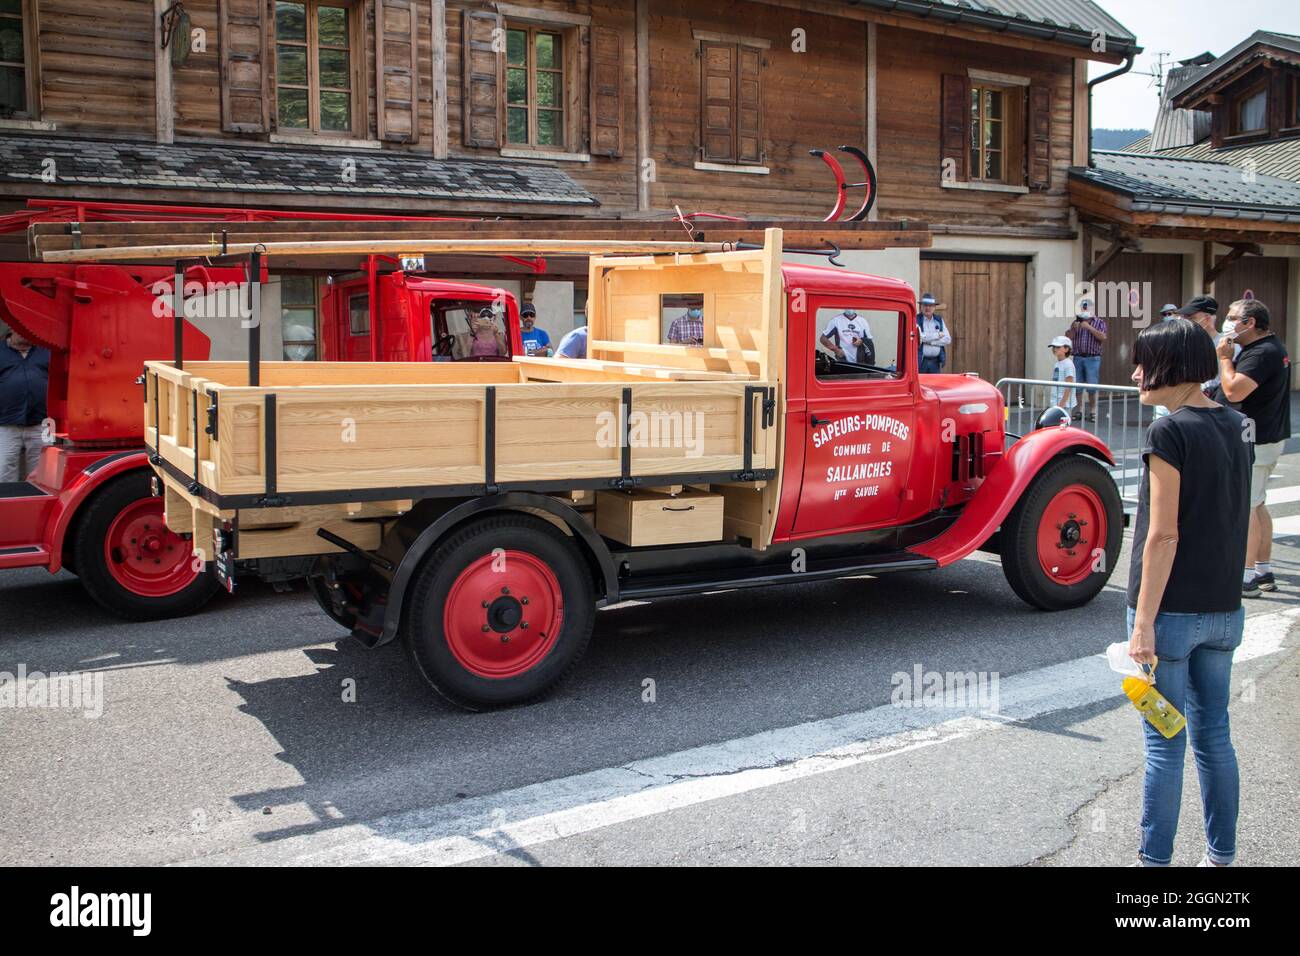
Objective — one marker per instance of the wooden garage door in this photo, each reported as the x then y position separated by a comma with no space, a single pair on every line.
1260,277
1133,270
982,302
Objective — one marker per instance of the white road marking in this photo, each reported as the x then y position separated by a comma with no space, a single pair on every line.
1286,527
528,816
1283,496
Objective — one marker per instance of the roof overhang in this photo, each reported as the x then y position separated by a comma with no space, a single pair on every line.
1195,93
1158,217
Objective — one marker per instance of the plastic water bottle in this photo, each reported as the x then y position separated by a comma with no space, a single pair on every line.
1139,687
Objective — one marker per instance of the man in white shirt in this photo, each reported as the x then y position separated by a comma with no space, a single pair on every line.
935,338
848,338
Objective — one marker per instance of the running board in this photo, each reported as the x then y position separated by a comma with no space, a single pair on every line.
24,556
21,489
669,585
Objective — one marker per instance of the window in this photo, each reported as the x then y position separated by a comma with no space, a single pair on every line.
313,56
535,88
1250,112
359,314
16,94
1293,103
731,103
298,308
988,134
868,340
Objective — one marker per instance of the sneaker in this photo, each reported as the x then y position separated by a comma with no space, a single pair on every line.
1251,588
1265,582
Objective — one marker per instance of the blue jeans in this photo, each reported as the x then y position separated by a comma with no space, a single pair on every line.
1087,369
1195,652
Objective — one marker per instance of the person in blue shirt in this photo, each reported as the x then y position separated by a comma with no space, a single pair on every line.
536,341
24,379
574,344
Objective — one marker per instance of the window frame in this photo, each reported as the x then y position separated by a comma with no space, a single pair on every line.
356,57
1292,118
565,72
975,168
352,328
827,386
31,65
1236,104
314,305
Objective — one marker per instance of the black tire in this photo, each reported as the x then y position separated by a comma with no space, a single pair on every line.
91,562
1018,539
428,645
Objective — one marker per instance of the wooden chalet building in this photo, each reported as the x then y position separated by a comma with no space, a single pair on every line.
973,114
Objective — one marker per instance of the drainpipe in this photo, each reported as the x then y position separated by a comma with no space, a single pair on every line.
1128,65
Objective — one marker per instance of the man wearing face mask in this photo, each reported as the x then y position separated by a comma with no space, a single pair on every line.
1259,379
848,338
688,329
24,379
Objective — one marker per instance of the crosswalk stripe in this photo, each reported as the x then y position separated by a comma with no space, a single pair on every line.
479,827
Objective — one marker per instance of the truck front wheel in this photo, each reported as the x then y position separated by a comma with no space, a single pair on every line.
500,612
1060,542
129,561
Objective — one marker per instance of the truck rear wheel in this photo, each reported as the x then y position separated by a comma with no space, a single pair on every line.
1060,542
500,612
129,561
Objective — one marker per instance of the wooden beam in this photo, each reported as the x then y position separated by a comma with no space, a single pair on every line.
1115,248
1238,251
438,55
872,111
164,97
642,105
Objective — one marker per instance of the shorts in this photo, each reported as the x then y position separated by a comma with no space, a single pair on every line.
1266,457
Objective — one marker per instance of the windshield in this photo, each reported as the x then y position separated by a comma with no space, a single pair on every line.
464,330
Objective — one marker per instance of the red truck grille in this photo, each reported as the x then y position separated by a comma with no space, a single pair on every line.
968,457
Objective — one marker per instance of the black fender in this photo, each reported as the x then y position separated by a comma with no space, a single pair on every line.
425,542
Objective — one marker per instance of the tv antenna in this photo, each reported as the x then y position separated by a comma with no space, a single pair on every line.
1158,72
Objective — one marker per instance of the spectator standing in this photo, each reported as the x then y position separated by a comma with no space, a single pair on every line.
1204,310
688,328
1062,372
573,344
1184,606
24,380
935,338
536,341
1259,380
1088,333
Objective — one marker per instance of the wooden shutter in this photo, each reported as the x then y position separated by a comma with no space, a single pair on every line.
954,137
717,102
606,92
1038,133
484,78
749,105
244,94
396,76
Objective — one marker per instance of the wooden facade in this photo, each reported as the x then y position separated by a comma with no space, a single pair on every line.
648,104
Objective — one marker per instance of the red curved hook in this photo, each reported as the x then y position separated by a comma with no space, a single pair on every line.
840,186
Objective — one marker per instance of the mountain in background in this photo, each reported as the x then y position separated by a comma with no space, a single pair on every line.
1116,138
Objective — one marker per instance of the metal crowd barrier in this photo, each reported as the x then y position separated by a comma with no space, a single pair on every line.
1121,421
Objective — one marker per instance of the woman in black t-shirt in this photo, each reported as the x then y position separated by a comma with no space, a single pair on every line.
1184,593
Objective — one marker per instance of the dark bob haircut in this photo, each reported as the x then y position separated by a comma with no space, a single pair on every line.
1175,352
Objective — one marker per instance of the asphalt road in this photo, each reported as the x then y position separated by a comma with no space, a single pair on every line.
231,736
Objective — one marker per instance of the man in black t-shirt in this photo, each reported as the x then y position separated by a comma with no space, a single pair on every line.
1259,381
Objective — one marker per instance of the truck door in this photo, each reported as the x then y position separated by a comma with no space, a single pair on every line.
860,418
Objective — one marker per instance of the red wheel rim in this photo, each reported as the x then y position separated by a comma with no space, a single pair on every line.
144,556
503,614
1071,530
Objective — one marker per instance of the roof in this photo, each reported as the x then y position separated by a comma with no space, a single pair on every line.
227,167
1279,157
1285,42
1177,127
1074,22
1161,184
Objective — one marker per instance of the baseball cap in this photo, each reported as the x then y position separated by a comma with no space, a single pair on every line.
929,299
528,309
1167,308
1060,341
1200,303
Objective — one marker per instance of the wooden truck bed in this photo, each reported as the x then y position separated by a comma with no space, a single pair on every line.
346,446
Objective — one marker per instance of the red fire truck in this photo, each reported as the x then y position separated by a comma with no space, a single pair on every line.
88,507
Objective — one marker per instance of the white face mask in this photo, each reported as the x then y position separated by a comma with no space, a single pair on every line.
1229,326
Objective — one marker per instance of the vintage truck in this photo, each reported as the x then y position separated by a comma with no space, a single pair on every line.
481,513
87,506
